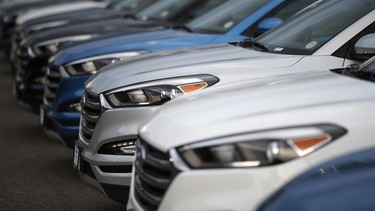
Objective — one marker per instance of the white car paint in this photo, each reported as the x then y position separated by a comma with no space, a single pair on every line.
259,105
227,62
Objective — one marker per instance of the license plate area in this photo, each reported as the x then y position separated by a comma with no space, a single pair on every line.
41,116
77,158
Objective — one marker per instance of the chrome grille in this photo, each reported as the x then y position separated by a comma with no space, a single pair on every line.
153,175
52,82
90,113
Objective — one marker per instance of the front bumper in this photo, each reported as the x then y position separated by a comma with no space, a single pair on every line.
223,189
114,125
65,120
55,125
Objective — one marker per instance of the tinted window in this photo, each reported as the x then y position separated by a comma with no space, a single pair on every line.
164,9
313,28
282,12
128,4
226,16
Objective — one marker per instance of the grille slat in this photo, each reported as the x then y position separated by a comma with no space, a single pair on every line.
149,200
52,83
153,175
93,105
88,124
87,131
157,162
90,113
151,180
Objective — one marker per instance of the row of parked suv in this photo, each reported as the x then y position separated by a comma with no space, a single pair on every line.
204,104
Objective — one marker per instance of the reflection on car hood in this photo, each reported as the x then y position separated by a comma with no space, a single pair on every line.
95,28
52,10
223,59
74,17
158,40
298,99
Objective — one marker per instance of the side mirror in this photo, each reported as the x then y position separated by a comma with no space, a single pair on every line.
365,47
267,24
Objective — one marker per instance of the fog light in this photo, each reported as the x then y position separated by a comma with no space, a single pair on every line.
41,80
118,148
74,107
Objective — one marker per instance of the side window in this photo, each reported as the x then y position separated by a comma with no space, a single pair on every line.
282,13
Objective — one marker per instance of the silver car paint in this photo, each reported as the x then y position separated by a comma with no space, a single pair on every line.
229,63
219,59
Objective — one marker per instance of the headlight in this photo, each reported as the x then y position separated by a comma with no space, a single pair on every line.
158,92
47,49
50,47
93,64
259,149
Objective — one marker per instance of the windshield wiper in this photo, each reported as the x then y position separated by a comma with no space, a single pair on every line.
258,45
245,43
356,71
130,16
352,69
180,27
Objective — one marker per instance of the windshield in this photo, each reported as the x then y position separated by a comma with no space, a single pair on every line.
178,11
164,9
226,16
128,5
307,32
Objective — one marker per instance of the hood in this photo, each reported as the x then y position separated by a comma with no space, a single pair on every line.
52,10
72,17
298,99
104,27
15,7
222,59
160,40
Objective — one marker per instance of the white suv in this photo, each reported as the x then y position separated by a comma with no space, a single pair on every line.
231,147
120,97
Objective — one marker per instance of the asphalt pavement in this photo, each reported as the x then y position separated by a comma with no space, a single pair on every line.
36,172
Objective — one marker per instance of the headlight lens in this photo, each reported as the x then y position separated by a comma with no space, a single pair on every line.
91,65
259,149
158,92
47,49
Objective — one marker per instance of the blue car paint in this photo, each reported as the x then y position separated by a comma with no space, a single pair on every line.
163,40
56,118
329,185
167,39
